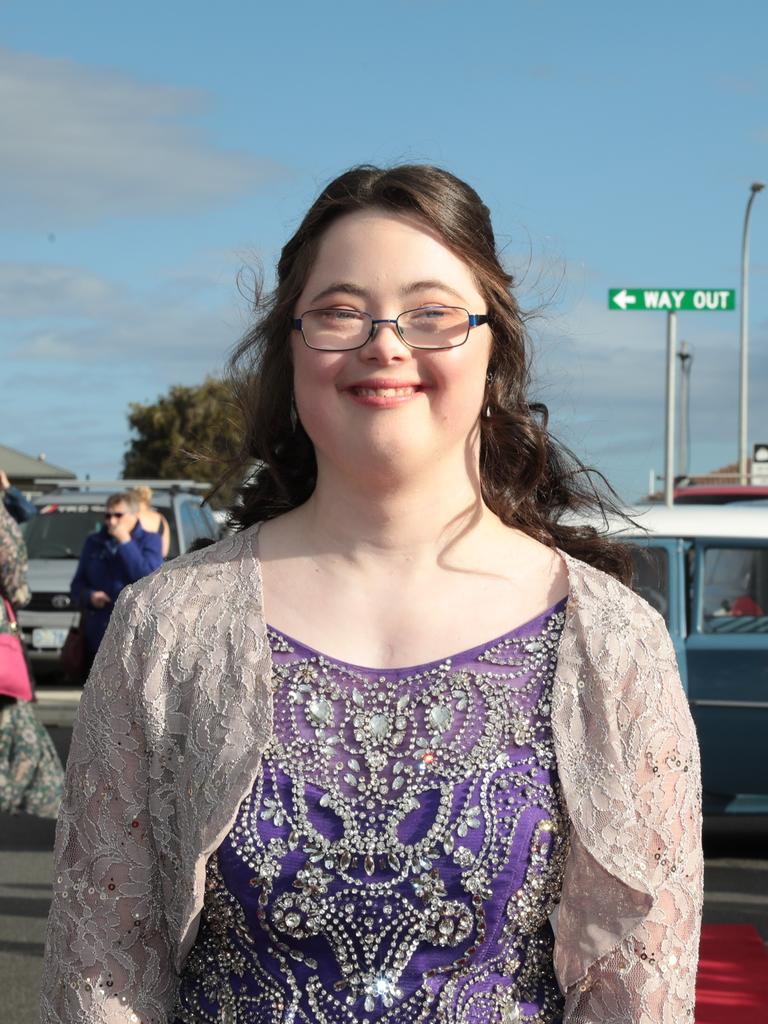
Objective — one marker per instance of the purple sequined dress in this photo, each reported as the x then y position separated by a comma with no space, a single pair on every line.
400,852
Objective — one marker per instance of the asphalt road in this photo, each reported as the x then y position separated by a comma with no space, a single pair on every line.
735,885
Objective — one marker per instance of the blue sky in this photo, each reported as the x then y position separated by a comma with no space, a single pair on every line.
148,152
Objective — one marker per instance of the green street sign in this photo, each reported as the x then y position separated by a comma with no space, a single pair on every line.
671,300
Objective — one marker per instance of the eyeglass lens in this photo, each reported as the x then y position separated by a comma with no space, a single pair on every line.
113,515
430,327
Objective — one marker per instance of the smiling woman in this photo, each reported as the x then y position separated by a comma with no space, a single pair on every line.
404,748
433,221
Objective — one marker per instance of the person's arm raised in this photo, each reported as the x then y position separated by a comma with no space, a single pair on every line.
141,556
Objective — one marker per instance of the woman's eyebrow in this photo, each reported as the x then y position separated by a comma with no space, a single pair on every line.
432,285
347,287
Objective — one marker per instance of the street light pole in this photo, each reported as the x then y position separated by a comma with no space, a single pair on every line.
686,362
756,187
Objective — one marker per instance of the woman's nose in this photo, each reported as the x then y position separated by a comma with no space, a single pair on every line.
385,344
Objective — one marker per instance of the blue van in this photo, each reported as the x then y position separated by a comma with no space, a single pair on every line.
705,568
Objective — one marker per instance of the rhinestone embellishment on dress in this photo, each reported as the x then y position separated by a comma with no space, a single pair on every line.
400,851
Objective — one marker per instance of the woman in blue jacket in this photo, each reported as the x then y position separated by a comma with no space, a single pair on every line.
120,553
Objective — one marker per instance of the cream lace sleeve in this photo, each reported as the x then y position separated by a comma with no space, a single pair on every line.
107,956
650,977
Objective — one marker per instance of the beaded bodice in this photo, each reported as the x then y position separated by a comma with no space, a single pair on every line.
401,849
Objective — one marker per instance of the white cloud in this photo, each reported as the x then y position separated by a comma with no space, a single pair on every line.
189,340
70,375
39,289
79,144
64,314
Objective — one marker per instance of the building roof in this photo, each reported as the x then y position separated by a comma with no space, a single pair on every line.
19,466
723,475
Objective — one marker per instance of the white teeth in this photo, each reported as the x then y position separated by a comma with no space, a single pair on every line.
384,392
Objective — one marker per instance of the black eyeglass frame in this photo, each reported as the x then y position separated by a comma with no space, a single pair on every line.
473,320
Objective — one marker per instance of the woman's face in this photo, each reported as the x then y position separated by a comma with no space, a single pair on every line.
386,405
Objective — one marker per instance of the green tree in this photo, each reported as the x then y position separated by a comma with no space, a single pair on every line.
189,433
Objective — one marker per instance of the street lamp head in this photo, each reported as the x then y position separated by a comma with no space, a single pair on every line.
757,186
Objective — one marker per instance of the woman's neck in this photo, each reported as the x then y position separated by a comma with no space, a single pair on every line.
404,521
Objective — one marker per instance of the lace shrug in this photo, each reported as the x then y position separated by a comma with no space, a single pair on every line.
168,742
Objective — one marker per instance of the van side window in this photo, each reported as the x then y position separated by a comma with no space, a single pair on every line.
735,595
188,524
650,576
204,520
195,522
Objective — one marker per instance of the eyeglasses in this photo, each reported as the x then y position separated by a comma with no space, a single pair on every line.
429,327
113,515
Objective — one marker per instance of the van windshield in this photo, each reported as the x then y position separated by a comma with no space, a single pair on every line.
59,531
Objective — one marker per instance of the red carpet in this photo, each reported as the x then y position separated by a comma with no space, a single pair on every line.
732,984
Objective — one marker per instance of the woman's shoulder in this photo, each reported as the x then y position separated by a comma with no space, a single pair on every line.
615,642
165,626
150,518
596,595
222,570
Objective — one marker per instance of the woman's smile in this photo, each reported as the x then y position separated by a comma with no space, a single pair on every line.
384,394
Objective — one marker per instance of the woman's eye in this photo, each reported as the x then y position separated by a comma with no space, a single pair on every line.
433,313
337,315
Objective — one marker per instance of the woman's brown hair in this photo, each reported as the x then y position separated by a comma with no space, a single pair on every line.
528,479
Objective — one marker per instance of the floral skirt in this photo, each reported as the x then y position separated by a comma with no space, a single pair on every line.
31,776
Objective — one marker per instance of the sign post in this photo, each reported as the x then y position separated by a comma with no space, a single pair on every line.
671,301
669,426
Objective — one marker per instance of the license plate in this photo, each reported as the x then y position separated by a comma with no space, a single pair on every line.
49,639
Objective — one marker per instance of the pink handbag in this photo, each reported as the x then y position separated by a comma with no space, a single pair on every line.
14,675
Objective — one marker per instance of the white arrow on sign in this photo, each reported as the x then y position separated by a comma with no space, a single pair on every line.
622,299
